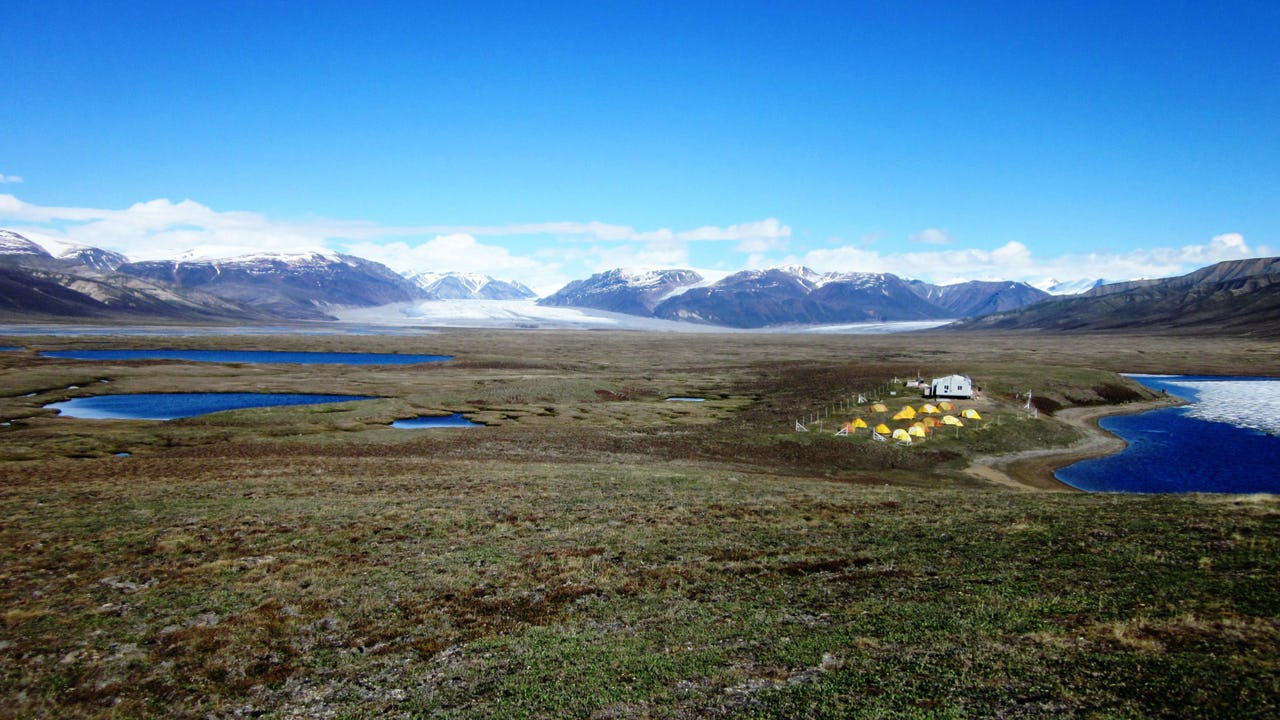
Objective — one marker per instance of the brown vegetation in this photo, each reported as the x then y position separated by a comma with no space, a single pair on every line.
599,551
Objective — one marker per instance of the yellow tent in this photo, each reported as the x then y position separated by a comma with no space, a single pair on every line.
928,409
917,431
931,422
952,420
901,436
971,414
883,429
879,407
946,406
906,413
858,423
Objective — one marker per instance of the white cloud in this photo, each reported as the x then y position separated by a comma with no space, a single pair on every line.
163,229
459,252
932,236
1015,261
547,255
9,178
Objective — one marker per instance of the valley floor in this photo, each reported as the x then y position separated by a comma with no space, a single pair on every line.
599,552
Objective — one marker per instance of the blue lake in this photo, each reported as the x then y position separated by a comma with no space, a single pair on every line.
250,356
168,406
435,421
1226,440
10,348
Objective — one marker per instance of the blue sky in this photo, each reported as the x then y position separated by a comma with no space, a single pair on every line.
546,141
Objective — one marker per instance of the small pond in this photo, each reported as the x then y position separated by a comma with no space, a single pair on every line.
169,406
10,348
249,356
686,399
435,421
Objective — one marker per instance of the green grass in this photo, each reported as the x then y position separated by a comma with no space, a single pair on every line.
598,552
460,590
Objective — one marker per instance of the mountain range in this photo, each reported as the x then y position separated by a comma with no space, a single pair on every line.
96,284
1235,297
793,295
1240,297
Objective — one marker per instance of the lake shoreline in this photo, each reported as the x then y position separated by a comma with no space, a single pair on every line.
1034,469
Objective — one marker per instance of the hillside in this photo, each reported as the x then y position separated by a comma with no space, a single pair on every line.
792,295
298,287
1236,297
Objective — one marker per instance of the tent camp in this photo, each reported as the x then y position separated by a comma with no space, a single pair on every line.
906,413
952,386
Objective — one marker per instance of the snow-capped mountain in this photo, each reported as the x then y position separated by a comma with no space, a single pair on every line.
95,258
790,295
624,290
11,243
292,285
81,283
469,286
979,297
798,295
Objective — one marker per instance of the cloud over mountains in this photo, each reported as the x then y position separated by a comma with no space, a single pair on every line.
547,255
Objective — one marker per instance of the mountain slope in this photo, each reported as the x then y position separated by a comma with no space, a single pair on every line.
753,298
28,292
633,292
298,287
80,284
793,295
11,243
977,297
1236,297
470,286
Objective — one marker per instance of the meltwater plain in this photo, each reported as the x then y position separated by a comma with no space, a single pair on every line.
249,356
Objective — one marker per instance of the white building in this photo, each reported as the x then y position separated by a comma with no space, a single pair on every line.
952,386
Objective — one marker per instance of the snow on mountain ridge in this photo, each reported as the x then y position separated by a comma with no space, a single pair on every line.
214,257
11,243
1053,286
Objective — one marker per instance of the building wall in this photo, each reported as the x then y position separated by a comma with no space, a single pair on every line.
951,386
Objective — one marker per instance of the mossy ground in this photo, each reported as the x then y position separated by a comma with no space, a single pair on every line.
608,554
